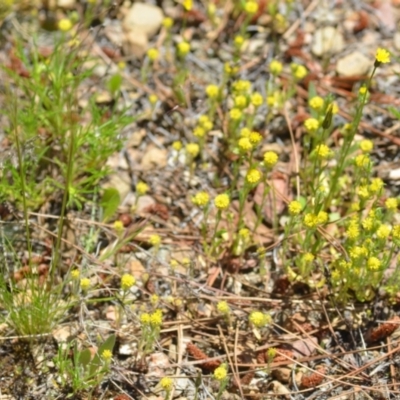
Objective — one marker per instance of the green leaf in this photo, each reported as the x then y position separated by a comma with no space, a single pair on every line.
114,83
110,203
84,358
97,362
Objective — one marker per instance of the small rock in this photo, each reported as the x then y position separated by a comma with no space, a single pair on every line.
135,43
144,18
353,64
154,158
327,41
66,4
396,40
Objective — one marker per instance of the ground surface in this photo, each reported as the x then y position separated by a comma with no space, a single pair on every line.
325,350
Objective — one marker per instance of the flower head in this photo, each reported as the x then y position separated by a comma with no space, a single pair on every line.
270,158
167,22
373,263
222,201
177,145
64,24
383,231
255,138
366,145
106,355
193,149
316,103
205,122
75,274
253,176
127,281
183,48
298,71
259,319
212,91
256,99
391,203
155,240
251,7
382,56
244,144
187,4
322,151
199,131
275,67
153,99
220,373
240,101
235,114
156,318
223,307
295,207
142,188
85,284
201,199
166,383
153,54
311,125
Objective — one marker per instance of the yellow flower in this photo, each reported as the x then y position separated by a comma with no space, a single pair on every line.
85,284
75,274
238,41
241,86
366,145
251,7
167,22
322,217
308,257
270,158
391,203
142,188
166,383
220,373
368,223
383,231
127,281
382,56
201,199
153,99
362,161
177,145
373,263
222,201
235,114
193,149
256,99
255,138
253,176
223,307
199,132
298,71
240,101
145,319
205,122
155,240
322,151
259,319
106,355
310,220
363,191
363,89
353,231
244,232
275,67
245,144
154,299
295,207
183,48
187,4
156,318
230,69
311,125
396,232
153,54
212,91
118,226
245,132
376,185
64,24
316,103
